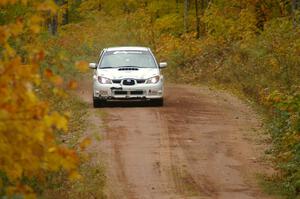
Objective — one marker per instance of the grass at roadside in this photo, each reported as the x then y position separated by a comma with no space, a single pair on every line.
92,183
231,66
66,49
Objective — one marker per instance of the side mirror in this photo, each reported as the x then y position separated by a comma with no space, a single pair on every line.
163,64
93,65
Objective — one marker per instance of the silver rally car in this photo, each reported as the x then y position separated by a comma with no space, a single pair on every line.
127,73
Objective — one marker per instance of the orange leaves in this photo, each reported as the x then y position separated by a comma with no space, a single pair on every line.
54,79
74,175
48,73
39,56
85,143
57,80
4,34
72,84
5,2
16,28
82,66
28,147
21,188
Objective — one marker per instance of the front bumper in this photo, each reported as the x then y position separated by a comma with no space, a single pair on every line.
122,92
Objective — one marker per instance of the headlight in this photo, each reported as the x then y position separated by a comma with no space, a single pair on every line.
153,80
104,80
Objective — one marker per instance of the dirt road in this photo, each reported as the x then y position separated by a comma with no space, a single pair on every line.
201,144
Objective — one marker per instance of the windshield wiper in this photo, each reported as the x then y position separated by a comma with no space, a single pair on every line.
129,67
106,67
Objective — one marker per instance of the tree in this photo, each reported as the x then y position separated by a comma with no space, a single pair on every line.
65,15
185,15
197,19
294,9
54,21
29,148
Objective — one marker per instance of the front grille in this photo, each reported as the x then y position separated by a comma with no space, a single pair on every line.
120,92
136,92
128,82
116,81
128,92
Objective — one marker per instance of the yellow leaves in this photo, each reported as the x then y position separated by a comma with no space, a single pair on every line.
35,23
10,30
28,147
5,2
59,93
31,97
247,25
4,34
82,66
55,120
15,172
74,175
274,64
57,80
28,192
17,28
52,149
9,51
224,25
85,143
48,5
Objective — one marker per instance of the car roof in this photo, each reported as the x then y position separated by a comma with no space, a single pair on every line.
127,48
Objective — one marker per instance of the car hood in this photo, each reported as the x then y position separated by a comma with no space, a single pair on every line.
116,73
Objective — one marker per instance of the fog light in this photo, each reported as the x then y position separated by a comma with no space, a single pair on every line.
103,93
153,92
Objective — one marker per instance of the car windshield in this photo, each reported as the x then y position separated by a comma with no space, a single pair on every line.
127,58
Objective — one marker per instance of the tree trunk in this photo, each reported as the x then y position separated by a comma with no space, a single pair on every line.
204,4
293,13
65,16
53,26
197,20
99,5
185,15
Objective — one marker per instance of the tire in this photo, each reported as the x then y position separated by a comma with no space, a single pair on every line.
97,102
158,102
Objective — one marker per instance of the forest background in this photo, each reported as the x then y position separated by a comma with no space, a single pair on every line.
251,47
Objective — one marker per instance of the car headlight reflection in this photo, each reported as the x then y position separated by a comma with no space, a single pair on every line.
104,80
153,80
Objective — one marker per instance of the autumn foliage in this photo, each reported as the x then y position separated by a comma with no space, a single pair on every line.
29,149
249,46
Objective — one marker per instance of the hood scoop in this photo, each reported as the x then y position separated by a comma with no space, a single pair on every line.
128,68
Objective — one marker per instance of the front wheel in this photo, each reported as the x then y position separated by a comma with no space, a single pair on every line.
97,102
158,102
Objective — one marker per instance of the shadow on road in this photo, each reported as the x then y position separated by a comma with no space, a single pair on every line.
127,104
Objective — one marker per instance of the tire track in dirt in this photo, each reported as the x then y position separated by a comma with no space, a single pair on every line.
199,145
